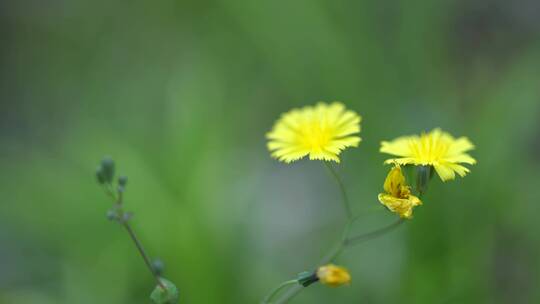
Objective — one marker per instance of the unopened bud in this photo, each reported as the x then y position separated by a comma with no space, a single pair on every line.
158,266
122,181
100,176
107,166
121,189
333,275
423,176
126,216
112,215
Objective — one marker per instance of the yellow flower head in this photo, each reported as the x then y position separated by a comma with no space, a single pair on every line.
333,275
320,131
398,197
436,148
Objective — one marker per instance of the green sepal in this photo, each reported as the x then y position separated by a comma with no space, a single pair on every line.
307,278
409,173
423,176
169,295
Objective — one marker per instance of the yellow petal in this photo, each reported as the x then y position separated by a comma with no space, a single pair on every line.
333,275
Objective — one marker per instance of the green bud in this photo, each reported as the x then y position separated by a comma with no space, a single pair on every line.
158,266
127,216
121,189
107,166
169,295
423,176
122,181
100,176
112,215
307,278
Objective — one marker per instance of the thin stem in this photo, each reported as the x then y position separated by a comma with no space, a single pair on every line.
344,196
119,200
108,190
345,241
276,290
373,234
336,251
293,292
142,252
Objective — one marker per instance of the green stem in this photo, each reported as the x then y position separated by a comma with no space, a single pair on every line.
143,253
373,234
119,200
345,241
335,252
344,244
345,198
293,292
276,290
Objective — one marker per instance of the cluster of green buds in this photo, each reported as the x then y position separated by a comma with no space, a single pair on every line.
165,291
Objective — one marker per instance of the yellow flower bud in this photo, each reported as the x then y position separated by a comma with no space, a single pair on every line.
333,275
398,197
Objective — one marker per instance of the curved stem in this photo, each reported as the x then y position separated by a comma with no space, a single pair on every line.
293,292
373,234
277,290
341,186
335,252
344,242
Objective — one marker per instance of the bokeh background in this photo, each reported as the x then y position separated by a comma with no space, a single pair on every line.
181,93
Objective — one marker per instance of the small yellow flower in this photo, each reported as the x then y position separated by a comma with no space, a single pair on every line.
333,275
436,148
321,131
398,197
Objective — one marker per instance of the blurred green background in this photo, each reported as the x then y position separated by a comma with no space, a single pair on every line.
181,93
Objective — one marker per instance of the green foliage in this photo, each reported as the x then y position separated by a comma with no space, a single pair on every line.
169,295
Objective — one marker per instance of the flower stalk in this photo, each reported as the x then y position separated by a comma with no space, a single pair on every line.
345,241
165,291
276,290
118,214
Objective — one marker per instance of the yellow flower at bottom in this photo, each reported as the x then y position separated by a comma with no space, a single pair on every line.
333,275
436,148
398,197
320,131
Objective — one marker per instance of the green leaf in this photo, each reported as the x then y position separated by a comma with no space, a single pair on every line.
169,295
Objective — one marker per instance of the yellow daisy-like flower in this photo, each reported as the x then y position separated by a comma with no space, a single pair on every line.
333,275
398,197
321,131
436,148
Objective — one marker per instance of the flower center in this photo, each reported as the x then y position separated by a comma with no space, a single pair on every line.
315,135
429,149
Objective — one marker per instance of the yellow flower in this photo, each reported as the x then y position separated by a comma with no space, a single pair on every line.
398,197
333,275
436,148
321,131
